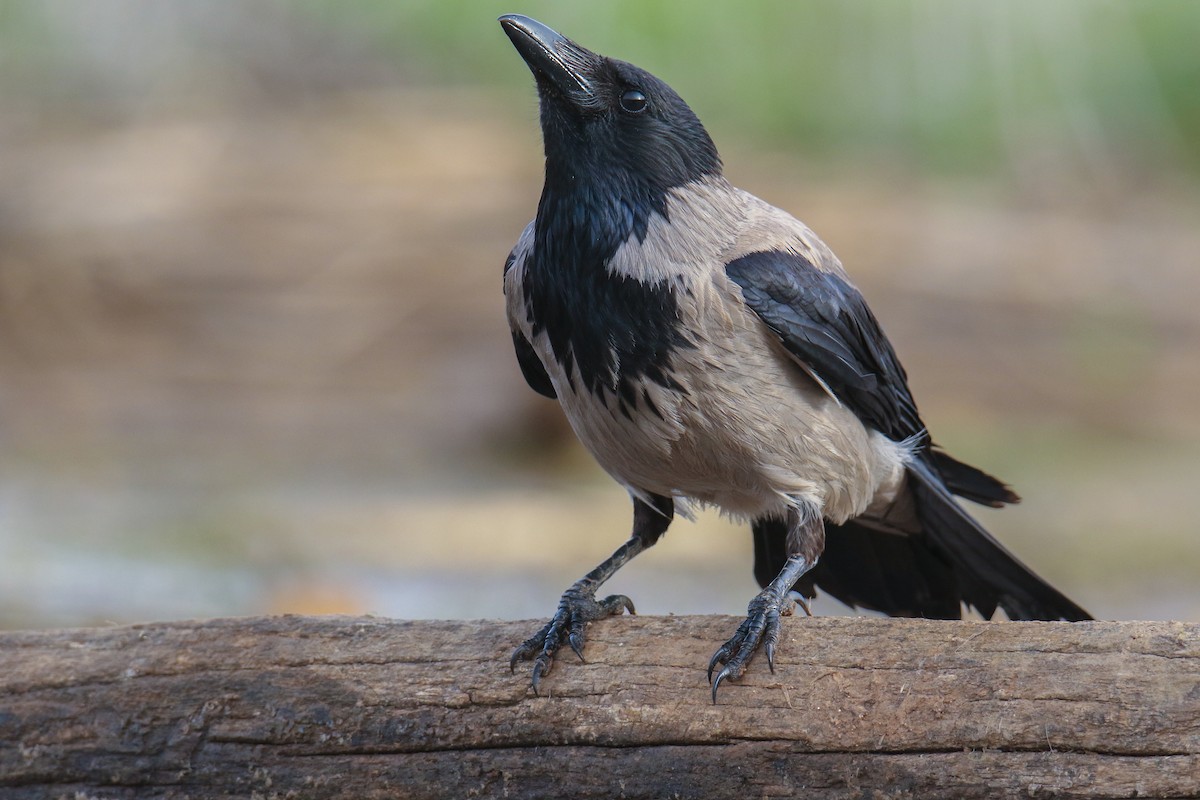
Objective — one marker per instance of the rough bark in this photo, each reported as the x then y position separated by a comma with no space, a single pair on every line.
370,708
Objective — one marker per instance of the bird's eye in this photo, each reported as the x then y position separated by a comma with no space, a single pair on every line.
633,101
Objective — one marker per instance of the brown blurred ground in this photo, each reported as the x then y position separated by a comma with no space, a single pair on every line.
253,357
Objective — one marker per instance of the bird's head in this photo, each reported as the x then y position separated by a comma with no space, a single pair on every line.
608,123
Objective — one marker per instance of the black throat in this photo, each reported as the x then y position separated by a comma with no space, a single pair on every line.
616,330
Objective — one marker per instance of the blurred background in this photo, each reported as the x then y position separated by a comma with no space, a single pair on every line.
253,355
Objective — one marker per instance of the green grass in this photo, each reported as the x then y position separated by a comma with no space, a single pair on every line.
944,85
948,85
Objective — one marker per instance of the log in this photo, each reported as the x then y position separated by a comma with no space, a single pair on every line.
365,708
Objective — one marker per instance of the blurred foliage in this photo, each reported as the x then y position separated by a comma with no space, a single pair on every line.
249,305
943,85
948,85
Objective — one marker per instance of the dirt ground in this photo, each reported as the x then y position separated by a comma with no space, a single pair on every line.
258,362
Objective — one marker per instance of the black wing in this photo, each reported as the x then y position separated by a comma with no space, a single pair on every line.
531,366
824,322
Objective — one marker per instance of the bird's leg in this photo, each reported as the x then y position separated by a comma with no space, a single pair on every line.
805,542
579,605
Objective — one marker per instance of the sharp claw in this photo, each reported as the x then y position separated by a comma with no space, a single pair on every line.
771,637
576,609
760,629
540,667
717,683
522,653
718,658
576,642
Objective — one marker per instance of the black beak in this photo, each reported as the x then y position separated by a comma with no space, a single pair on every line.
553,58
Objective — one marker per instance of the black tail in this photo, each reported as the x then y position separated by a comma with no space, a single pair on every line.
947,560
971,482
988,574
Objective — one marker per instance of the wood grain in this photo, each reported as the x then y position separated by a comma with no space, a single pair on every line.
370,708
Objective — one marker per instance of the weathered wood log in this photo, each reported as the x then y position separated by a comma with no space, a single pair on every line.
370,708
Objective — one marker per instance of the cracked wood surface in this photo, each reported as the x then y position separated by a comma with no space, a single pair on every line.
370,708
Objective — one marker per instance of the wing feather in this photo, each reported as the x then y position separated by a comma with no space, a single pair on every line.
824,322
531,366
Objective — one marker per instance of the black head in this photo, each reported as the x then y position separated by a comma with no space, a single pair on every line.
618,140
608,123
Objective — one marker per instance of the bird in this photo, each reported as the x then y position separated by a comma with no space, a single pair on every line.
708,349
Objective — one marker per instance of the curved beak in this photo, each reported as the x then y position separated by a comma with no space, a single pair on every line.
553,58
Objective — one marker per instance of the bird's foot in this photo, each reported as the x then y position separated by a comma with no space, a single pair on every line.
576,609
760,628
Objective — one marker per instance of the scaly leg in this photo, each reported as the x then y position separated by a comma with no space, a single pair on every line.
579,605
806,542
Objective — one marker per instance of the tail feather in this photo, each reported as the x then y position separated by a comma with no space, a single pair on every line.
989,575
925,567
971,482
865,566
871,568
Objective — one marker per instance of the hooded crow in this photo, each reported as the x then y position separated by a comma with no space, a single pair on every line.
706,347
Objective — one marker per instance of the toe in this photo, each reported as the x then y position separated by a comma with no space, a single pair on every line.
722,656
577,607
541,666
760,628
614,605
733,671
771,637
528,648
577,636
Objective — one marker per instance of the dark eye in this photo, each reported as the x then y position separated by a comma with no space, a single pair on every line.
633,101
